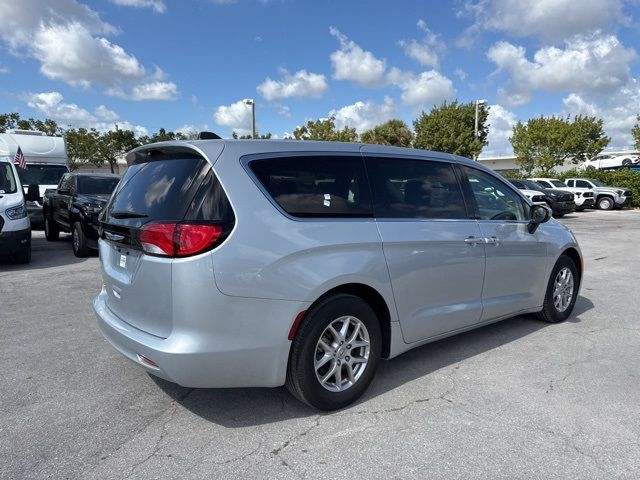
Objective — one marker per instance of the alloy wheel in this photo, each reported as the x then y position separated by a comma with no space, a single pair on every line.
563,287
342,354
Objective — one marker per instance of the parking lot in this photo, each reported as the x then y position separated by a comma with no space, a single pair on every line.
517,399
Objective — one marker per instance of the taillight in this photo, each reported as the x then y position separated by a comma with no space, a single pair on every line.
178,239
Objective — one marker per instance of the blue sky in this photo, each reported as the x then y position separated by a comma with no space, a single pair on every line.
146,64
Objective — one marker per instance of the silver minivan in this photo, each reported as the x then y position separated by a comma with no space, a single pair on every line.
230,263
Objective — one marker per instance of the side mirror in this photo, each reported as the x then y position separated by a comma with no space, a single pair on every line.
539,214
33,193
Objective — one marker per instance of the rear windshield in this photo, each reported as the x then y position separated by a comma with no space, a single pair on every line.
97,185
41,174
168,190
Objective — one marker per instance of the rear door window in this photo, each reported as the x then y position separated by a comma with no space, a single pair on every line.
316,186
415,189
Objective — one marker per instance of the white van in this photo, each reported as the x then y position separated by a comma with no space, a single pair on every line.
46,159
15,228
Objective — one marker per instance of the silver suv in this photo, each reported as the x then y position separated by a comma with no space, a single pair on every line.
263,263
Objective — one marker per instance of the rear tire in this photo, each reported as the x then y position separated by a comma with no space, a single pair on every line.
605,203
626,162
316,352
79,241
562,291
51,230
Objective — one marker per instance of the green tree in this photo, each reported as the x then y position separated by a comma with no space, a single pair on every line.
325,130
544,143
588,137
13,120
112,145
635,132
393,132
259,136
82,146
450,128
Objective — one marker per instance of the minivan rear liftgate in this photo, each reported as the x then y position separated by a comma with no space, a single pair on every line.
169,205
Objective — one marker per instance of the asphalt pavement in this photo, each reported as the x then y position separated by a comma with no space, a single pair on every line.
517,399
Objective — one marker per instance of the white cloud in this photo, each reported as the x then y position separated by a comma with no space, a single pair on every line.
103,113
426,89
68,39
52,105
236,116
19,20
617,108
154,91
4,69
550,20
157,6
501,122
427,51
299,84
192,131
589,63
71,53
460,73
364,115
351,62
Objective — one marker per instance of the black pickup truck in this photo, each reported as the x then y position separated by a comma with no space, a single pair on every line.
74,207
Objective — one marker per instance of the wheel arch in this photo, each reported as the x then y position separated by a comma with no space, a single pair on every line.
574,255
373,298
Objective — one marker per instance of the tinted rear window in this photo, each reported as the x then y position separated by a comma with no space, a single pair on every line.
415,189
97,185
316,186
157,190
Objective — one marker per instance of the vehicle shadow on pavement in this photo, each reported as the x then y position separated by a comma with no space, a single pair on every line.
243,407
45,255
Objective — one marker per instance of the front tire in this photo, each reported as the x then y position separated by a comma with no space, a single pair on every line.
605,203
335,353
79,241
562,291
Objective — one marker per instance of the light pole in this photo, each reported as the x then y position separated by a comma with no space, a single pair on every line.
475,130
250,101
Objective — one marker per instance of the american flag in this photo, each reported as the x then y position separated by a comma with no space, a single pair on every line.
20,159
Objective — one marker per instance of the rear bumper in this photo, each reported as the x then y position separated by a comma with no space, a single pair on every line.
14,242
242,343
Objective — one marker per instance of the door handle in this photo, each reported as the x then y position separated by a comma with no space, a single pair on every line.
473,240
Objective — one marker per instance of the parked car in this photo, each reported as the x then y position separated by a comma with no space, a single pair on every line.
561,202
606,197
261,263
74,207
15,228
536,196
604,161
583,199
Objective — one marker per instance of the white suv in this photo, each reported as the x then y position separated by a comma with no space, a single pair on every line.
583,198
